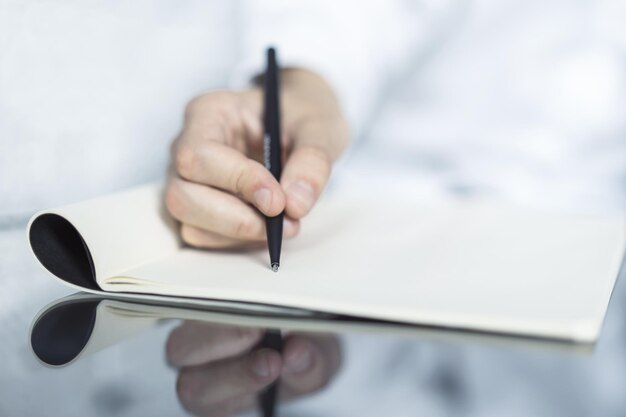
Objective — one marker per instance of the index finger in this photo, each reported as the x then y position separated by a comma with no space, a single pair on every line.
218,165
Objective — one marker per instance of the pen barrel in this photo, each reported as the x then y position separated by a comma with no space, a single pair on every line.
271,116
272,150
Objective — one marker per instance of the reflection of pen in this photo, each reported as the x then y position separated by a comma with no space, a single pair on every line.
267,400
272,151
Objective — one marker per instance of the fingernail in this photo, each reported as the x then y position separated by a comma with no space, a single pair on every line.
261,365
303,192
263,197
299,361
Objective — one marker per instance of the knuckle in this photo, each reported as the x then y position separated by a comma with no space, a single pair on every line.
185,160
248,176
246,228
174,203
213,100
193,105
190,236
247,335
237,180
186,390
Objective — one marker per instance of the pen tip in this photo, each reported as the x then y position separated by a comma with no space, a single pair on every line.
275,266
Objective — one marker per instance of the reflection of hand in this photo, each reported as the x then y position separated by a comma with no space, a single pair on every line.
221,372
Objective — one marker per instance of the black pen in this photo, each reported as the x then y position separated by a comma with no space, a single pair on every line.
274,225
272,151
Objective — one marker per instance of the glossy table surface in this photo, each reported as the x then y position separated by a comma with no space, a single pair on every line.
86,356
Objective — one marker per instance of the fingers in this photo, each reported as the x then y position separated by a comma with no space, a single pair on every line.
213,210
215,219
220,129
219,165
304,177
214,158
227,385
309,363
317,142
194,343
203,239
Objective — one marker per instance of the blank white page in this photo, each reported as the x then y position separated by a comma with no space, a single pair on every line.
468,265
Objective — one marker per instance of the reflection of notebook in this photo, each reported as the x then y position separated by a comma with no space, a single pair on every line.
76,326
469,265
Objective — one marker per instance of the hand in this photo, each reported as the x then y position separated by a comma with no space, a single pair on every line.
218,188
222,373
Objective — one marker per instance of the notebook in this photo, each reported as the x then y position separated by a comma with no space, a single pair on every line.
463,264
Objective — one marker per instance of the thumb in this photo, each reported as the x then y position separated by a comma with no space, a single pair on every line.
308,167
304,177
316,144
